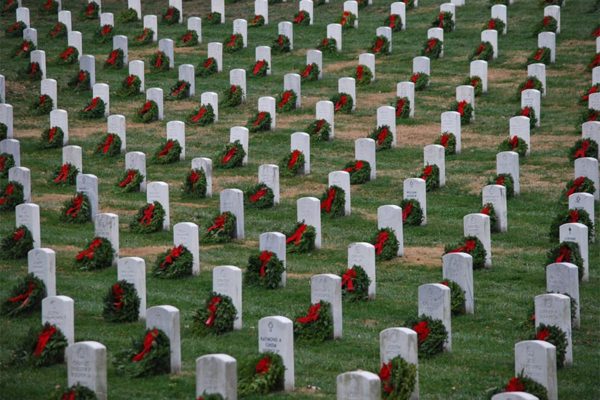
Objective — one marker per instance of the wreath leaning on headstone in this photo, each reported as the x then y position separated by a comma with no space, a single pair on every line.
402,106
260,196
470,245
355,283
301,238
310,72
221,229
42,105
333,202
571,216
261,375
260,122
78,392
180,90
359,170
176,262
319,129
386,244
169,151
431,175
448,140
188,39
121,303
489,210
25,297
97,254
80,81
383,137
566,252
76,210
109,145
292,163
398,379
52,137
216,316
7,161
11,195
528,112
159,62
342,102
148,112
232,97
581,184
148,219
130,181
316,325
264,269
41,348
505,180
17,243
515,144
202,115
556,336
194,183
457,297
520,383
412,213
149,356
583,148
145,37
477,84
286,101
431,335
421,80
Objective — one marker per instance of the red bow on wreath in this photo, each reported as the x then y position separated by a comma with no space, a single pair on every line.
422,329
147,215
392,21
294,158
285,98
212,310
258,66
399,107
179,89
107,143
8,191
576,184
444,140
574,216
194,177
23,297
148,341
385,374
406,211
564,255
51,133
297,236
218,223
118,292
307,71
441,19
146,107
263,366
326,205
581,152
89,252
382,237
341,103
358,165
166,149
199,114
431,43
106,29
492,24
382,135
461,107
258,195
63,174
18,234
43,339
514,385
312,316
73,211
67,53
467,248
348,279
427,171
265,257
514,142
261,117
173,255
129,178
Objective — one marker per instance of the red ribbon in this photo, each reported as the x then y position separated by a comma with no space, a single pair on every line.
187,37
179,89
296,237
219,222
593,89
263,366
514,142
131,173
345,16
492,24
360,70
146,107
2,163
382,135
194,177
564,255
341,102
81,76
475,82
159,59
461,107
467,248
112,57
581,152
42,100
56,29
358,165
441,19
325,42
385,374
107,143
576,184
500,180
63,174
142,37
173,255
319,125
307,71
574,215
118,292
33,68
67,53
256,19
422,329
199,114
514,385
93,104
232,39
406,211
18,234
43,339
89,10
312,316
380,42
165,150
212,310
348,279
392,21
484,210
399,106
431,43
258,195
326,205
382,237
294,158
415,77
544,334
8,191
480,48
260,118
148,341
285,98
538,54
106,29
73,211
258,66
547,19
265,257
280,40
299,18
170,13
427,171
48,4
444,140
89,252
147,215
23,297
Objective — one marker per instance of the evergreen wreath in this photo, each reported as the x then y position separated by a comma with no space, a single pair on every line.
515,144
256,21
174,263
231,156
363,75
260,196
80,82
555,336
11,195
496,24
216,316
16,29
489,210
129,15
109,145
431,175
97,254
386,244
168,152
233,43
410,4
78,392
292,163
590,115
171,16
7,161
17,243
148,112
114,60
104,33
383,137
195,183
347,20
121,303
260,68
261,375
412,213
465,109
484,51
457,297
148,356
180,90
260,122
42,105
24,48
148,219
398,379
477,84
470,245
448,140
316,325
583,148
521,383
566,252
301,239
570,216
505,180
381,45
281,45
394,22
91,10
362,3
202,115
8,6
302,17
445,21
355,284
77,209
49,6
93,110
310,72
221,229
264,269
130,181
25,297
421,80
333,202
432,48
359,170
580,184
145,37
41,348
213,18
58,30
33,72
431,335
343,103
547,24
594,62
232,97
320,130
159,61
68,56
286,101
541,55
585,98
402,106
188,39
65,174
531,82
328,45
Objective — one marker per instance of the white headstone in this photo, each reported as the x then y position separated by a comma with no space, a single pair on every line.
491,36
240,26
293,82
403,342
478,225
555,310
434,302
548,39
578,233
553,11
75,39
594,101
136,5
22,175
151,22
519,126
348,86
261,7
437,33
268,104
451,123
399,8
589,130
64,16
204,164
195,24
480,68
458,267
156,95
368,60
533,98
360,385
116,124
159,191
6,117
39,56
28,214
563,278
342,180
12,147
301,141
307,5
232,200
177,4
238,77
514,396
218,6
2,89
120,42
42,263
166,46
102,91
363,255
276,335
88,63
176,131
421,64
60,311
106,225
263,53
88,184
86,366
365,150
211,98
215,50
407,89
186,235
137,160
352,6
538,70
269,175
500,11
390,216
60,119
596,73
466,93
496,195
507,162
286,29
536,360
325,110
328,288
334,31
588,167
240,133
449,7
227,280
107,19
166,318
435,154
316,57
22,14
308,209
416,189
30,34
583,201
133,270
49,87
216,374
275,243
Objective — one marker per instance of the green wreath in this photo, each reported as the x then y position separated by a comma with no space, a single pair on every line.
93,110
590,115
347,20
515,144
301,239
381,44
221,229
11,195
25,297
148,219
216,316
470,245
41,348
146,37
259,69
58,30
566,252
521,383
281,45
16,29
333,202
316,325
448,140
398,379
17,243
465,110
363,75
97,254
24,49
431,335
148,112
444,20
109,145
310,72
260,122
431,175
555,336
547,24
202,115
261,375
410,4
168,152
49,6
231,156
489,210
80,81
477,84
176,262
130,181
286,101
233,96
91,10
569,216
359,170
33,72
78,392
77,209
412,213
328,45
264,269
233,43
386,244
421,80
159,62
593,63
194,183
343,103
180,90
496,24
8,6
68,56
104,33
213,18
531,82
432,48
484,51
7,161
302,17
457,297
292,163
121,303
580,184
42,105
505,180
541,55
129,15
394,22
150,355
256,21
260,196
355,284
402,106
65,174
585,98
115,59
171,16
188,39
383,137
320,130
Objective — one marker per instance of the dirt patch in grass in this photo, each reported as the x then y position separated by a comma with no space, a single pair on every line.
496,74
65,248
225,182
291,275
340,65
417,135
141,251
294,192
430,257
51,201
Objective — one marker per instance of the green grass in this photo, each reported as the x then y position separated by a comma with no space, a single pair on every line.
483,344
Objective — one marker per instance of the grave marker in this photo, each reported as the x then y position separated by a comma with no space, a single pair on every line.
437,33
269,175
539,71
166,46
491,36
342,180
307,5
553,11
365,150
328,288
407,89
39,56
177,4
308,209
416,189
75,39
435,154
301,141
458,267
6,117
348,86
12,147
159,191
368,60
466,93
102,90
86,366
500,11
263,53
275,243
64,16
215,50
106,225
519,126
42,263
49,87
216,374
563,278
286,29
218,6
204,164
533,98
363,255
116,124
166,318
22,175
211,98
548,39
390,216
555,310
434,302
240,133
151,22
276,334
240,26
227,280
133,270
88,63
577,233
536,359
238,77
88,184
334,31
186,234
507,162
268,104
195,24
28,214
293,82
359,385
478,225
137,160
325,110
399,8
60,311
316,57
588,167
480,68
403,342
421,64
232,200
176,131
352,6
261,7
156,95
496,195
451,123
